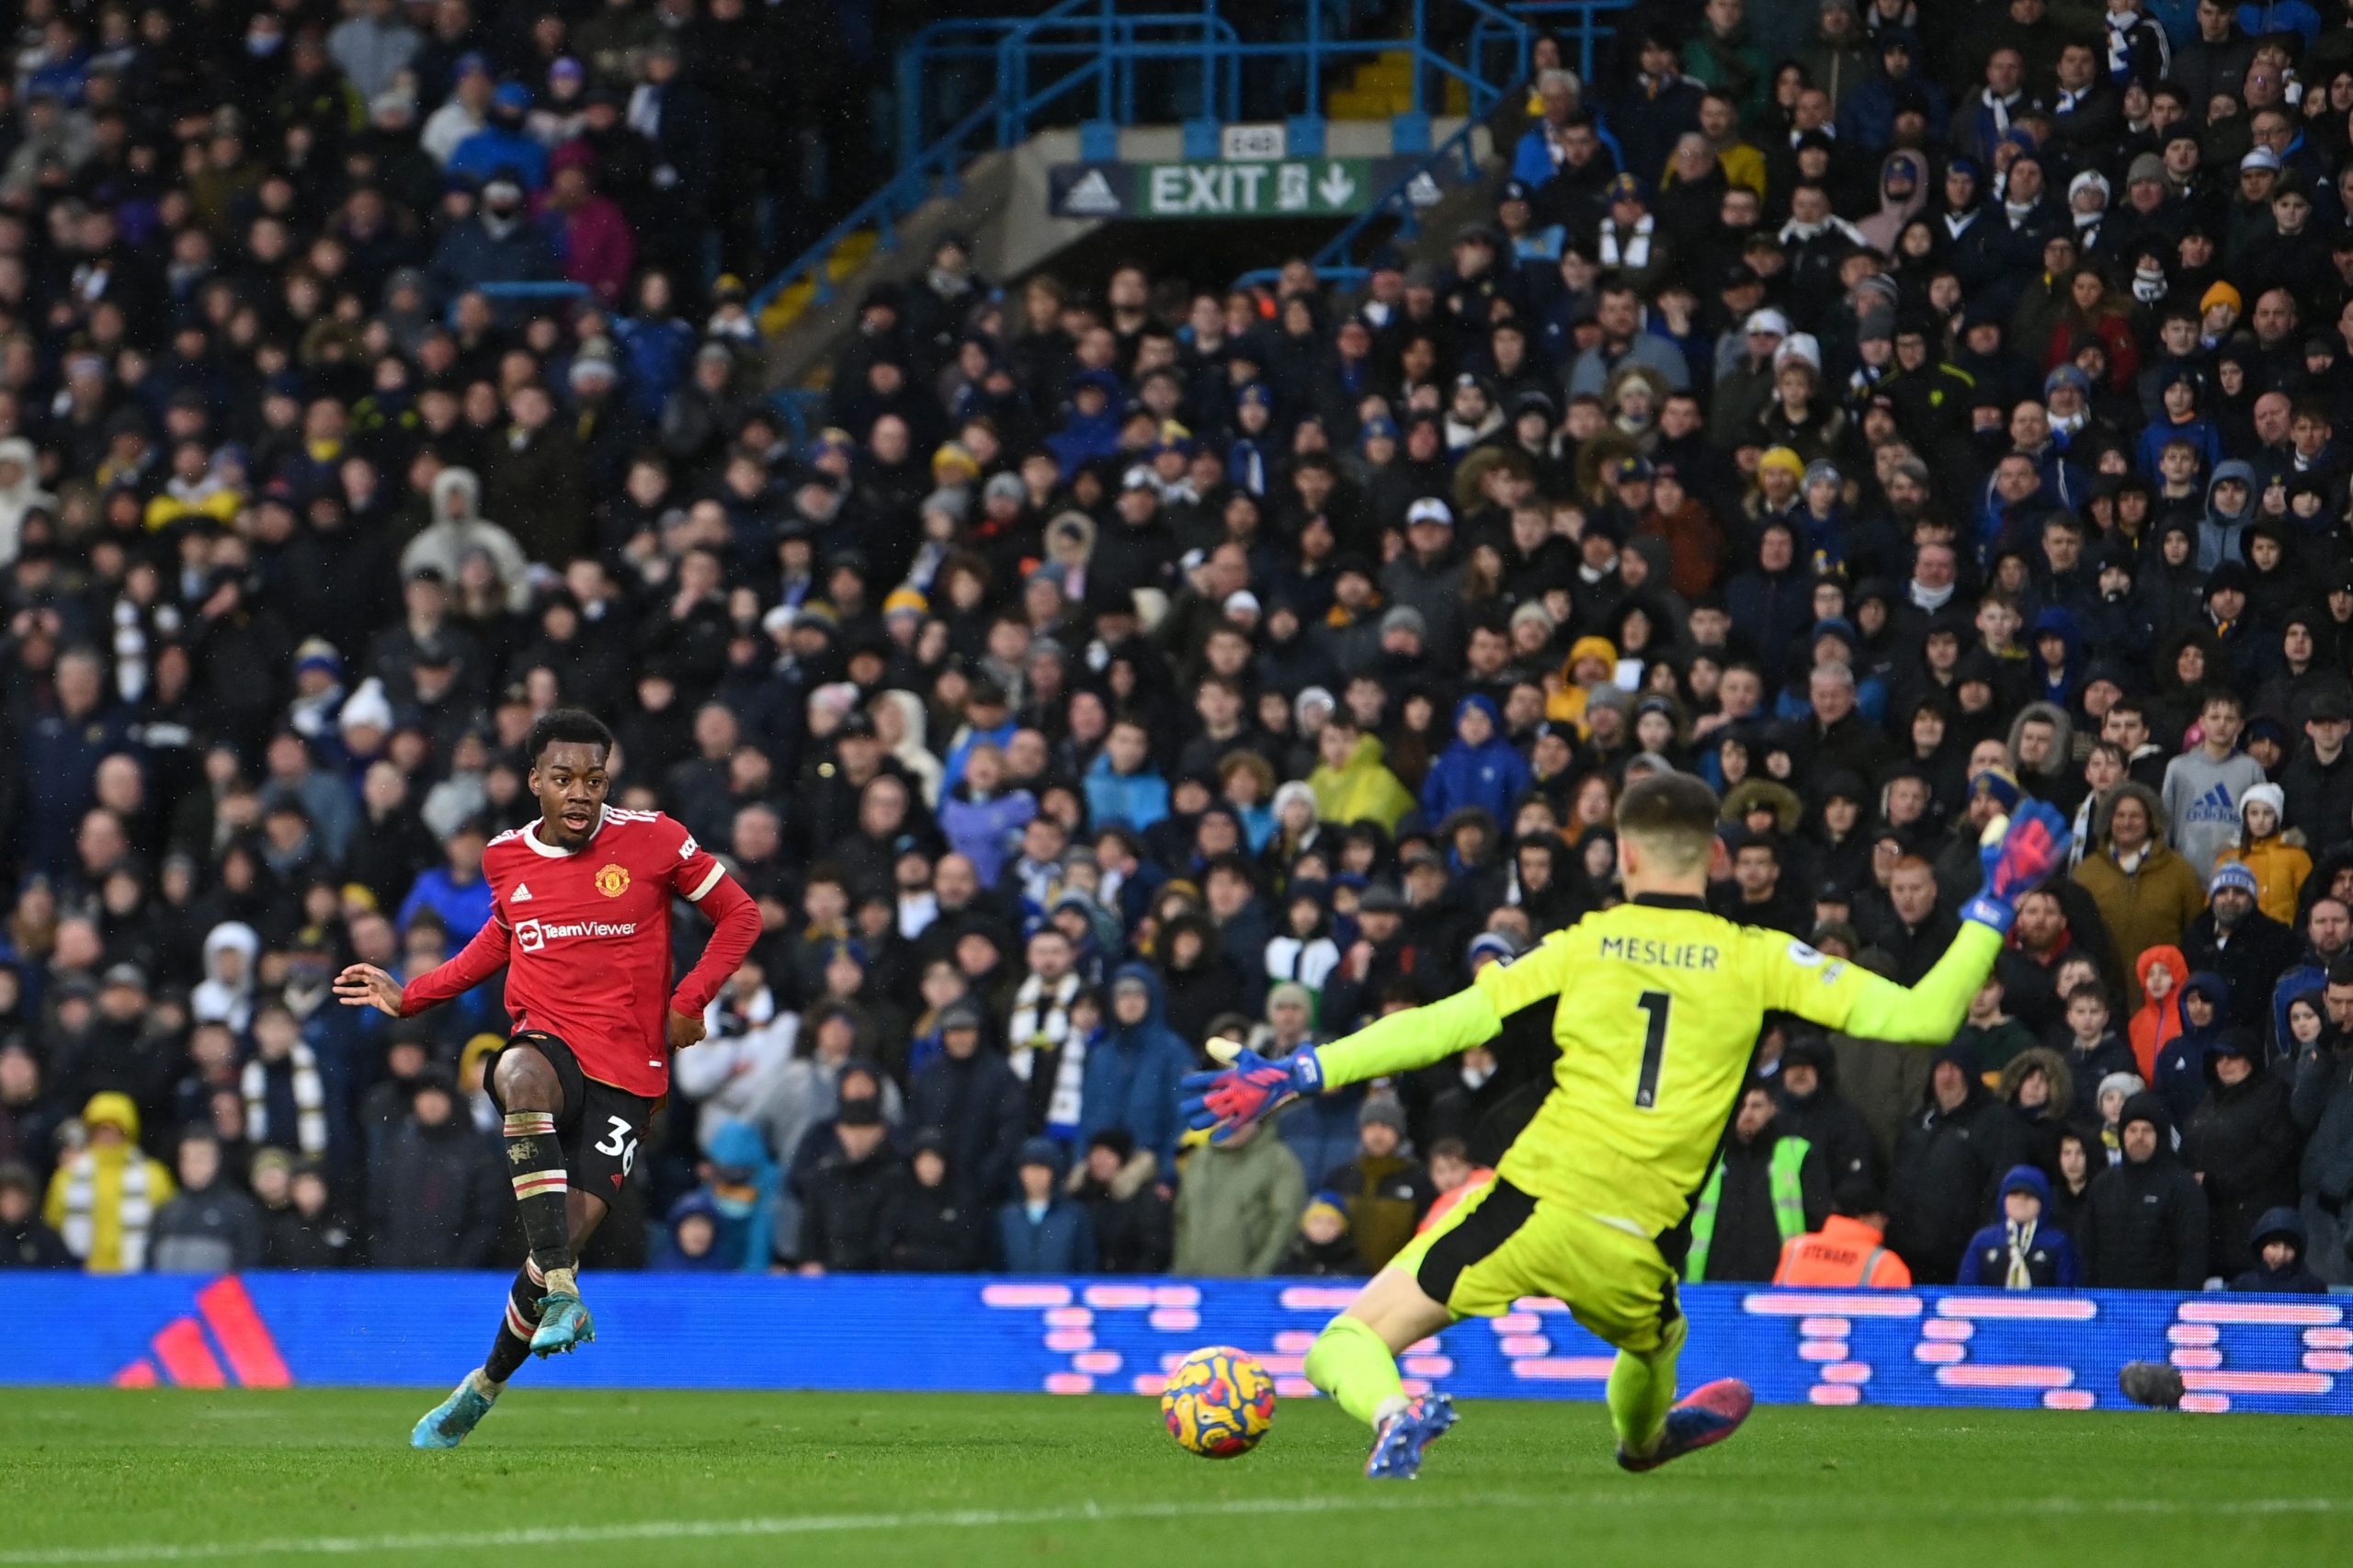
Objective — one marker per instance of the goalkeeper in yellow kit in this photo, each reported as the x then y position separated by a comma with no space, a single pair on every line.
1657,1006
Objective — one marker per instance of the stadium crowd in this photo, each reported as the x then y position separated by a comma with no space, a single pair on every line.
1885,426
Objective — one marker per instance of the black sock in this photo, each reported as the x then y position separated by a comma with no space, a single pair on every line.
512,1346
541,1184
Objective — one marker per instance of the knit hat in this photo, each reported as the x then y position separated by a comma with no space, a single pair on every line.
2265,795
1384,1109
1404,618
1492,943
1998,782
903,600
2232,874
2147,166
1784,457
1291,994
2220,294
1328,1205
2125,1083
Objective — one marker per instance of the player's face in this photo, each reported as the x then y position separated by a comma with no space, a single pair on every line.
571,782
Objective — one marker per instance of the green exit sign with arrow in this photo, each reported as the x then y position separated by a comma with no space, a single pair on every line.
1284,187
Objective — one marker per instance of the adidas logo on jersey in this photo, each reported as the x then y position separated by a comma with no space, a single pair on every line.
522,893
2214,806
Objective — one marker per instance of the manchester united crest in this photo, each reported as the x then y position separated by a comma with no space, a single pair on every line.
612,880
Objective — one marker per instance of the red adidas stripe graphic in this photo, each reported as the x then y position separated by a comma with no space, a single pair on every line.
187,1359
244,1339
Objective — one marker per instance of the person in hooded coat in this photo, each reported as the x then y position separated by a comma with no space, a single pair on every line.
968,1095
1131,1074
931,1225
1479,767
2039,1111
2022,1250
2277,1243
2147,892
458,529
2144,1220
20,492
2242,1142
1946,1155
2222,532
1812,1109
1902,194
2180,1079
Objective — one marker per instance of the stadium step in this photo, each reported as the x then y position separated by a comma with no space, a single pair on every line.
1384,85
855,251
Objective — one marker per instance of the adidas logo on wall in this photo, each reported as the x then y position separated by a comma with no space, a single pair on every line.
1091,197
223,1345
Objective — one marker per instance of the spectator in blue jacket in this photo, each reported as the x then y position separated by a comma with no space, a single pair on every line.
1131,1072
1478,769
502,144
981,820
456,890
1123,789
1042,1232
2020,1252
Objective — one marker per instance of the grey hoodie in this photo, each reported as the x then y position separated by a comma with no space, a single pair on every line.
2201,800
2218,532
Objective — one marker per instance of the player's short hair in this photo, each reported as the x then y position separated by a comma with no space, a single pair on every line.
1673,815
561,726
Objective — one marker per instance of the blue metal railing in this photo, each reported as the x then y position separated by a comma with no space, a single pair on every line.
1340,250
1089,62
1510,51
497,291
935,171
1045,62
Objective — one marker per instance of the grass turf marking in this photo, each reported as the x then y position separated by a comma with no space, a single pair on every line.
973,1518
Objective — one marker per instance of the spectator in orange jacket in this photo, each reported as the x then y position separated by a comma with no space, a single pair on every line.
1849,1250
2163,973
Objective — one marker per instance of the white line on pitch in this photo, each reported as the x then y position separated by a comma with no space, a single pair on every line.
973,1518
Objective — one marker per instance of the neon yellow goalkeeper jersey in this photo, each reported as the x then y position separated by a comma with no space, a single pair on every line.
1657,1006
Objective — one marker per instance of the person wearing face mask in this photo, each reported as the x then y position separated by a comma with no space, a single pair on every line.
498,244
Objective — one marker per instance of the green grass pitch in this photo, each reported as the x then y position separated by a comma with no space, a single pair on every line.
585,1480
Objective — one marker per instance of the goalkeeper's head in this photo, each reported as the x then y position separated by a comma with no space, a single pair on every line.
1666,835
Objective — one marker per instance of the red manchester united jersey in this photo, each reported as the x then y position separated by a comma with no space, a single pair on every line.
588,937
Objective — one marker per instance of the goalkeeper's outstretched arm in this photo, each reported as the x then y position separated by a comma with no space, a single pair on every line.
1415,1038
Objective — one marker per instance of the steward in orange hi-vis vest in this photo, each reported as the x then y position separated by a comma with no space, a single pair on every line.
1847,1251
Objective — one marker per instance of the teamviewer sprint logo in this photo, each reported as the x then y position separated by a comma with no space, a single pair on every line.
532,935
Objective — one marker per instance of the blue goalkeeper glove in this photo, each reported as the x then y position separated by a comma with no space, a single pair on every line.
2017,856
1249,1089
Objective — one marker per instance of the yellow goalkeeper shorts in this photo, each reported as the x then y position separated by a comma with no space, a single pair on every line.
1500,1245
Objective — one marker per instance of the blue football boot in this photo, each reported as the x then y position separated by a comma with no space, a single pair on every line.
446,1424
564,1323
1398,1442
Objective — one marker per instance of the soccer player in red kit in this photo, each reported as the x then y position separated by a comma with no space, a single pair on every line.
580,918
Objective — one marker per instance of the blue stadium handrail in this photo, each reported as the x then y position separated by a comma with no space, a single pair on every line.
1527,18
935,171
1397,202
493,292
1086,57
801,409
